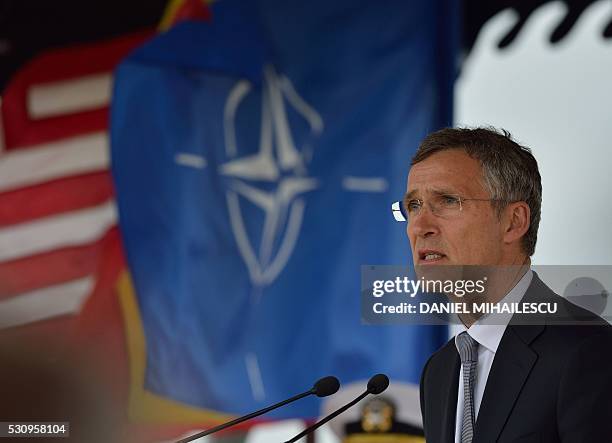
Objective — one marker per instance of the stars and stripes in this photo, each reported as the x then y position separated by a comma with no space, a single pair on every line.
57,208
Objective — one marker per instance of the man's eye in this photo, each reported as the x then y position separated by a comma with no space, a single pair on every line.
449,200
413,205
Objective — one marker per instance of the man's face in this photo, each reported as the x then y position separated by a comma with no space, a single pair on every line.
472,236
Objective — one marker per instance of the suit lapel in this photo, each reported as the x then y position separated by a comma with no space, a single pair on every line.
443,404
450,391
511,366
513,362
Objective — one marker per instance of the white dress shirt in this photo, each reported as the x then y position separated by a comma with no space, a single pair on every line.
488,332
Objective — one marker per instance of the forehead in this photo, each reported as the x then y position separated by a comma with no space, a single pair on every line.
448,171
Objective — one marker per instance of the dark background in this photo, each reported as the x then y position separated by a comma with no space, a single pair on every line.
28,27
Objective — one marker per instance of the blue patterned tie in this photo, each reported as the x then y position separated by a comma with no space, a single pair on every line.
468,352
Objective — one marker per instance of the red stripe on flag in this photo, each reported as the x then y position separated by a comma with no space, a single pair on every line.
54,197
51,268
21,130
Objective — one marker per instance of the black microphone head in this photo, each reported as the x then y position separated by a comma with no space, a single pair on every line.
326,386
378,383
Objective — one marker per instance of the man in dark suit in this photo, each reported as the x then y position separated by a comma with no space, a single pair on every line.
473,198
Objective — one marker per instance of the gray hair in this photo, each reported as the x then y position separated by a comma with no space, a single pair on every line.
510,171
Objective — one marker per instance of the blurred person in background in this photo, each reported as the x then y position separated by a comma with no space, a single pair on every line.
42,383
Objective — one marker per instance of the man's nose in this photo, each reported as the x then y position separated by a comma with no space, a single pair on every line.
423,224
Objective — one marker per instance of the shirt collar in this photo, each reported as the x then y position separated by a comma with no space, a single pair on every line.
488,330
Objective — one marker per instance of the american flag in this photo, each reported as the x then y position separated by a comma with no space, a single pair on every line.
57,209
58,233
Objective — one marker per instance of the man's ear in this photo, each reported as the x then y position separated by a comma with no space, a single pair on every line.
517,218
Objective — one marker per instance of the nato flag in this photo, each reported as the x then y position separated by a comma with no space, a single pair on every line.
255,159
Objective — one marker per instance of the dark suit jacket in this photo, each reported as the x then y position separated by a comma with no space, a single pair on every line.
550,382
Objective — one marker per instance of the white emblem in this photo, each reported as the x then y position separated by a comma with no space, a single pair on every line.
278,161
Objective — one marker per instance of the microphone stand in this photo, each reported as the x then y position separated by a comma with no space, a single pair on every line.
328,418
245,417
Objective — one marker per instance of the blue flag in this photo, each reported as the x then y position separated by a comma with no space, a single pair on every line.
255,159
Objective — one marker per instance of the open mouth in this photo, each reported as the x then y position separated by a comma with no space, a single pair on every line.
429,256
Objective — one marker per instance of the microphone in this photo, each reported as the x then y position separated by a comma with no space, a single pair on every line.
377,384
322,388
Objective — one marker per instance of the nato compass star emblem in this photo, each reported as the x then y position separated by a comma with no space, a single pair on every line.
270,180
278,162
